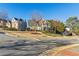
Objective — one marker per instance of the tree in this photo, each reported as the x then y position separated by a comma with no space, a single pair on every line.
35,19
73,24
56,26
36,16
60,27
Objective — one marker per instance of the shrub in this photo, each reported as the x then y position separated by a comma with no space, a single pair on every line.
28,29
11,29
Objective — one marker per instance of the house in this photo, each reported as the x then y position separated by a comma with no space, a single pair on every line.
43,24
37,24
14,23
2,22
22,24
18,24
46,25
8,24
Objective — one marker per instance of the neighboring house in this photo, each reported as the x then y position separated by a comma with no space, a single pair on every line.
2,23
43,25
37,24
47,25
9,24
18,24
14,23
22,24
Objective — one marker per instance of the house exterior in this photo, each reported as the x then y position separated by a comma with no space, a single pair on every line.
18,24
14,23
2,23
9,24
37,24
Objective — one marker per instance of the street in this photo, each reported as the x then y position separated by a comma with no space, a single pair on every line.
14,46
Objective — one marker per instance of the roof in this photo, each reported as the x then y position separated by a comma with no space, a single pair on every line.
15,18
20,19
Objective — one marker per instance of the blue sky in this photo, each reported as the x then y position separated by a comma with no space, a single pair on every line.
57,11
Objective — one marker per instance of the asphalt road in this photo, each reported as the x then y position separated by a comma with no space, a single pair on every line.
13,46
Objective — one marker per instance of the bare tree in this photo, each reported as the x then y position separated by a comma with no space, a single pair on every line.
36,17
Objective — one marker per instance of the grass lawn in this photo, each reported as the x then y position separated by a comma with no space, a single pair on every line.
51,34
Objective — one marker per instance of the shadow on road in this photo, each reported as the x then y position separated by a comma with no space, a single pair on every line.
2,33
